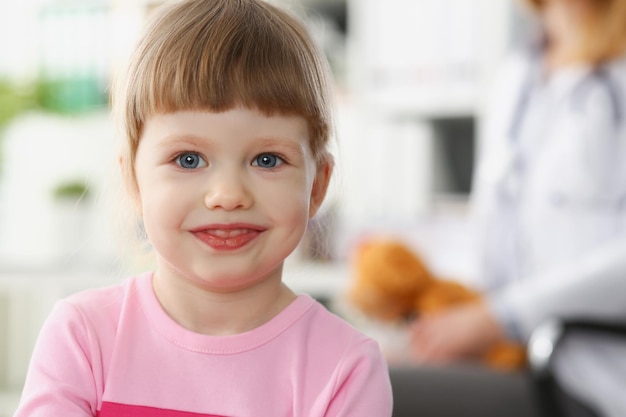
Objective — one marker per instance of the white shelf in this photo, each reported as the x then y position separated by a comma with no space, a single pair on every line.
317,279
323,278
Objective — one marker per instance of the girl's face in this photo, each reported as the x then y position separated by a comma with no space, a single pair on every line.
225,197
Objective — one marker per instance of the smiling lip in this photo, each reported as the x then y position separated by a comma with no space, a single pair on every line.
226,237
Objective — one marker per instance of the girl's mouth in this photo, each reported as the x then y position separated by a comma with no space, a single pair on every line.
227,237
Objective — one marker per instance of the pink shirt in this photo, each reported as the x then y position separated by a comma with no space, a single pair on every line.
115,352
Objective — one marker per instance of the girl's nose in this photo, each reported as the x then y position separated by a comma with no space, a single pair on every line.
227,191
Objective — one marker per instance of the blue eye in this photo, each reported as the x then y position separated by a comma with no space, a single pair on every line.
267,160
190,160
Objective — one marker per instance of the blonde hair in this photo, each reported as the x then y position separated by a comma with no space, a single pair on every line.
605,29
217,54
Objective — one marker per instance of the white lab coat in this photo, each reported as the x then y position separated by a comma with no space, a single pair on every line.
550,196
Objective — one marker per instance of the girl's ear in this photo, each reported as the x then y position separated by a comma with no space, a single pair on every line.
320,185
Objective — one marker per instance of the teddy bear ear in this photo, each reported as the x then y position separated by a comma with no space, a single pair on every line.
386,278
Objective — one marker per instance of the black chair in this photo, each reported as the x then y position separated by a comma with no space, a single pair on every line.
466,390
542,346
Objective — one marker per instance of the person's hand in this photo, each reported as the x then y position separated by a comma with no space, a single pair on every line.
455,334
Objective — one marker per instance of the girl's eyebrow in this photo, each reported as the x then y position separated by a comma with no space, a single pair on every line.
291,145
170,140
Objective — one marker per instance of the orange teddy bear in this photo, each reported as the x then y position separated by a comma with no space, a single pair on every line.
391,282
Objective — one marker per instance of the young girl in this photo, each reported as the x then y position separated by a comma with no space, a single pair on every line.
227,121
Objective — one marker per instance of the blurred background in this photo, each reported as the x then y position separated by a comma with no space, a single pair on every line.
411,79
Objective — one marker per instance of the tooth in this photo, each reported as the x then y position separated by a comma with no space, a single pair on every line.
225,234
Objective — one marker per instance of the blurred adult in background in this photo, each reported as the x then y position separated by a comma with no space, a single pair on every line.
550,196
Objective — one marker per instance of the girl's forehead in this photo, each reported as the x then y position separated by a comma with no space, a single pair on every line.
241,118
238,123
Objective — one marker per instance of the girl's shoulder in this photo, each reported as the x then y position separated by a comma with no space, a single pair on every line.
99,307
334,330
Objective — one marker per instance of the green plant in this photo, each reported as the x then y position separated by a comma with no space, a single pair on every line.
14,99
75,190
71,96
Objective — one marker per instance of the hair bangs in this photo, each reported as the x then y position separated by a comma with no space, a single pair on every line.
225,59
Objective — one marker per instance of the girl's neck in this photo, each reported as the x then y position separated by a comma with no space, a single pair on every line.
215,313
